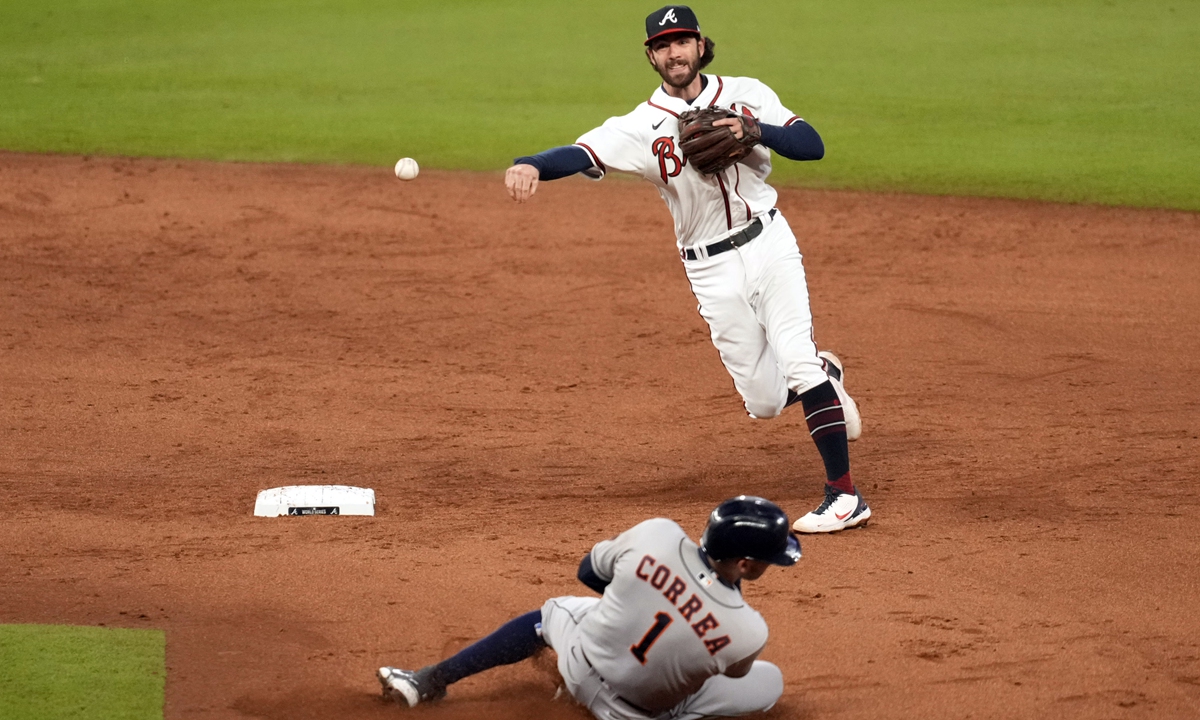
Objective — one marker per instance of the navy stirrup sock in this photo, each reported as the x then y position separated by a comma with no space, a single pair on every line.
827,425
512,642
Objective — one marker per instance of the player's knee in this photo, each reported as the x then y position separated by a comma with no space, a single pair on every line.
768,682
762,408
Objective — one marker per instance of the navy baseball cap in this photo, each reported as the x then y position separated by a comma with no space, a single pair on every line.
671,19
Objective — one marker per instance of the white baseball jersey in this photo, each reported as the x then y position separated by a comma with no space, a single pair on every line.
665,624
646,142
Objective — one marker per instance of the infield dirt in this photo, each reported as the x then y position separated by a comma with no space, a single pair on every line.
517,382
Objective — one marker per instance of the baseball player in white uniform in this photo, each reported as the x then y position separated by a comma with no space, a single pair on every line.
670,636
739,254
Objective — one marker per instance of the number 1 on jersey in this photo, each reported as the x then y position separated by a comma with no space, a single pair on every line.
661,621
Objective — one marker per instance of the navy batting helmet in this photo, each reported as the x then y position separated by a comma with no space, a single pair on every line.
750,527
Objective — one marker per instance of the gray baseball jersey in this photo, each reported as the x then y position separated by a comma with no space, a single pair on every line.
666,623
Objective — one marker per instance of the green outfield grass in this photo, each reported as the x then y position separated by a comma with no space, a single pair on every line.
1080,100
59,672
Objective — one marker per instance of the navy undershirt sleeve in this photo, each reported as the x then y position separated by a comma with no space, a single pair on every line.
558,162
587,575
798,141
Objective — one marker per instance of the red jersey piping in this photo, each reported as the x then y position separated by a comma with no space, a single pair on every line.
725,197
595,157
660,107
720,87
736,183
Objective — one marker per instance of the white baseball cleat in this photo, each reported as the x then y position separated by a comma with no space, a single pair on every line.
839,511
837,375
409,687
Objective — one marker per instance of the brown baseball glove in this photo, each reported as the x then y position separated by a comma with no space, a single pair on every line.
712,149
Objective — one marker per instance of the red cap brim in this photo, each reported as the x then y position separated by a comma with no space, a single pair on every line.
671,32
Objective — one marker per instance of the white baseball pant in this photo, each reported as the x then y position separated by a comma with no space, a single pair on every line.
755,300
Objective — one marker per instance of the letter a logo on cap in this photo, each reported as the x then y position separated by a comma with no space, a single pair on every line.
671,19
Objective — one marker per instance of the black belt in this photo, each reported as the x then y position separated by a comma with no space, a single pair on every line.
737,239
635,706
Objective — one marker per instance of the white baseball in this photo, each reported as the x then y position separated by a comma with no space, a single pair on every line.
406,168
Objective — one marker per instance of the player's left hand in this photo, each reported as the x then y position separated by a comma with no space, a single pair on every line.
712,139
521,181
734,124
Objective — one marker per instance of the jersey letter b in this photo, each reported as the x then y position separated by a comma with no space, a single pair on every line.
664,149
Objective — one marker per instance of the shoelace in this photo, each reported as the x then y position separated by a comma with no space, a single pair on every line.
830,496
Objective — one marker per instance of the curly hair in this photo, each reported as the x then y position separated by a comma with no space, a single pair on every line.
707,57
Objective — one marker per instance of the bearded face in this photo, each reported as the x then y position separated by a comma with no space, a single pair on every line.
676,58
